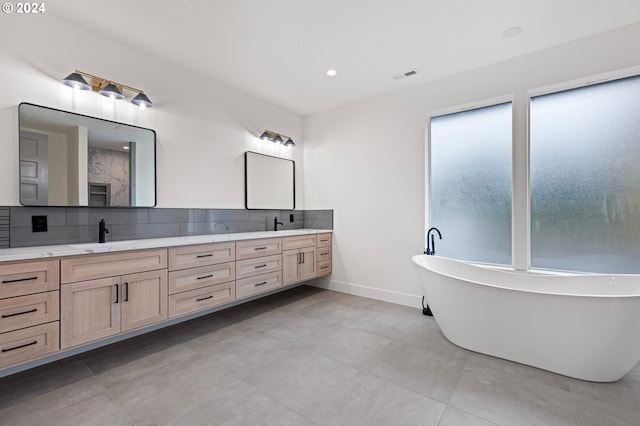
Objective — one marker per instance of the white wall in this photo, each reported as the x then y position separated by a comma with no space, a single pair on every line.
367,161
202,127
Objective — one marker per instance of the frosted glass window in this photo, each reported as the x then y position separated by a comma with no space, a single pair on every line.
585,178
470,184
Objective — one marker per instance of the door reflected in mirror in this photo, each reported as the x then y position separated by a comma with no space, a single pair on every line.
69,159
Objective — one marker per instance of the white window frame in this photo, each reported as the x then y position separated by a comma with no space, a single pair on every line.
462,108
546,90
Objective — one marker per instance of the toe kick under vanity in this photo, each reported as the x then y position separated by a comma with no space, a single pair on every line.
59,301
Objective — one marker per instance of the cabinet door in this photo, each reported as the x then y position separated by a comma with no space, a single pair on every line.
144,299
90,311
308,266
290,266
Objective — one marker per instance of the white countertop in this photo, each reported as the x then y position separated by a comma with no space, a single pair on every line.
40,252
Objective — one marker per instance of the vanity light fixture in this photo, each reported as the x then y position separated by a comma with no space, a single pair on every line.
111,91
76,81
274,137
108,88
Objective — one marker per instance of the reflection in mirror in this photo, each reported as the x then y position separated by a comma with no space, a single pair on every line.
269,182
68,159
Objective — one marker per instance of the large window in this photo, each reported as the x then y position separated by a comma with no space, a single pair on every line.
470,183
585,178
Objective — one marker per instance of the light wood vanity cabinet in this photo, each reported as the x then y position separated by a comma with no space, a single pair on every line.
299,258
29,310
194,287
324,254
258,266
110,303
50,305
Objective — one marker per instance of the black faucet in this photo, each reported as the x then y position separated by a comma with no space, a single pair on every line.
276,223
102,231
431,248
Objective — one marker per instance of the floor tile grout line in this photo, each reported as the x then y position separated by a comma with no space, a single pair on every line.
109,393
276,400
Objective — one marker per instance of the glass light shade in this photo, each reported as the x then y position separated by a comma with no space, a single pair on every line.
142,101
76,81
111,91
277,139
289,143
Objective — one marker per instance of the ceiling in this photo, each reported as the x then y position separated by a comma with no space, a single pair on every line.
280,50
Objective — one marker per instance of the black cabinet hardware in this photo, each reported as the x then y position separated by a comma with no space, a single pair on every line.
19,313
19,280
204,277
205,255
204,298
35,342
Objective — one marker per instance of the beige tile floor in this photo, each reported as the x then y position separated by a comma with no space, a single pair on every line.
307,357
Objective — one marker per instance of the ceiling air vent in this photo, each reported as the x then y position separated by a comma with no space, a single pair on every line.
405,74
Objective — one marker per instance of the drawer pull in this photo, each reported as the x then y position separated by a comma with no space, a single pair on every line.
18,280
259,266
205,255
323,241
324,267
20,313
117,293
204,298
259,284
259,248
35,342
126,292
326,253
205,277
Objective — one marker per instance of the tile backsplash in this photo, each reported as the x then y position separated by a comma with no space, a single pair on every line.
73,225
4,227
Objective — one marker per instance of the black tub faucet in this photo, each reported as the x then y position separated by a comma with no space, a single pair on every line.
102,231
431,244
276,223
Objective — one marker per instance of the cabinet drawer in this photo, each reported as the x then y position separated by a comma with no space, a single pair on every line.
27,311
260,265
201,255
324,240
202,298
28,343
255,248
324,267
112,264
191,279
19,279
324,253
258,284
293,243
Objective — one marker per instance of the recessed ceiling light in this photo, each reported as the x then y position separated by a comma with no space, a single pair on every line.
511,32
332,72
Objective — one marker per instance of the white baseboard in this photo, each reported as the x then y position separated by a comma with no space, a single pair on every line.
404,299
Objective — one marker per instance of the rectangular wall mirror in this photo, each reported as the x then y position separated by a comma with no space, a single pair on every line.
69,159
269,182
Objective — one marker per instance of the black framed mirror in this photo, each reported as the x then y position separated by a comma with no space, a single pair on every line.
69,159
269,182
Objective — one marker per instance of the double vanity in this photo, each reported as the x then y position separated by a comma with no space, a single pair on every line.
57,301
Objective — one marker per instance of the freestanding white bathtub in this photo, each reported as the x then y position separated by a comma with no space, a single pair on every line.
582,326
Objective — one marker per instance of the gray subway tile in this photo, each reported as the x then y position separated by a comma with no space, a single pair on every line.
21,216
231,214
141,231
24,237
168,215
